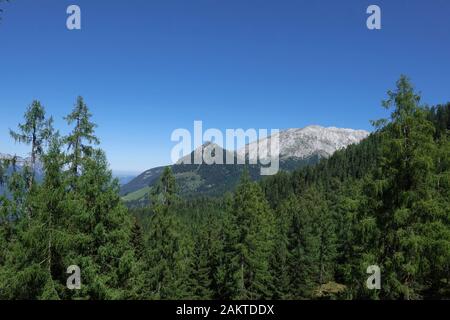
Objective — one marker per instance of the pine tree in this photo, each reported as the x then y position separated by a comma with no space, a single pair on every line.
202,262
20,271
36,131
402,191
44,238
85,225
30,270
137,239
207,250
436,271
324,225
82,137
354,231
303,248
102,232
166,260
281,255
249,243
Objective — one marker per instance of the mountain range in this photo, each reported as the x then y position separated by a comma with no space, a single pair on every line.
20,163
298,147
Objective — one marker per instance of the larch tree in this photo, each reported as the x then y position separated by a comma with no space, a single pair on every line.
82,138
402,192
36,132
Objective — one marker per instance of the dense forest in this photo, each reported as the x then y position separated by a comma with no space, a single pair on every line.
309,234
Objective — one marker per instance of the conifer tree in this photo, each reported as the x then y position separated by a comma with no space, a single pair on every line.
82,137
86,226
354,236
102,229
303,246
324,225
249,242
36,131
137,239
207,251
281,255
31,252
202,263
402,191
166,260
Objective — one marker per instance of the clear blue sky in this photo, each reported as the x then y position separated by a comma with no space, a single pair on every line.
147,67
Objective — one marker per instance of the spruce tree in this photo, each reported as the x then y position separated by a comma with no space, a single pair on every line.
35,131
30,259
207,250
281,255
166,260
202,266
137,239
303,244
82,137
402,192
249,243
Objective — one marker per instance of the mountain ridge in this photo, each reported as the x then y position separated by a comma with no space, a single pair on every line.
298,147
304,142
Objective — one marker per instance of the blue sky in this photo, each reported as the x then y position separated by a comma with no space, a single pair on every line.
148,67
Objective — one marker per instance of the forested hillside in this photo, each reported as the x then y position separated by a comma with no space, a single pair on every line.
196,181
297,148
310,234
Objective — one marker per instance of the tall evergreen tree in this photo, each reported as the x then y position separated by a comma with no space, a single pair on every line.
102,229
311,243
31,252
279,266
249,243
402,191
82,137
85,226
36,131
166,260
206,253
137,239
100,223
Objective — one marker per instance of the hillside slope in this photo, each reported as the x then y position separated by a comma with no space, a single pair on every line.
298,148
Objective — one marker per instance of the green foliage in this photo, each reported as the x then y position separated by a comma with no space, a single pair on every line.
249,241
309,234
35,131
403,197
166,261
82,136
65,220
